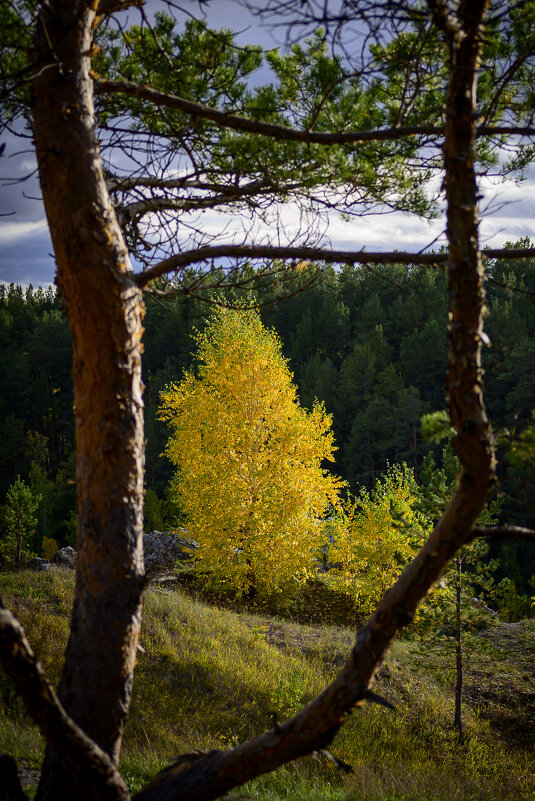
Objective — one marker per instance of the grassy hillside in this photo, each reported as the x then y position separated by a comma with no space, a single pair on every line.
208,678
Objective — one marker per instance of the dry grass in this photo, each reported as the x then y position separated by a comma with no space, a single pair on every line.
208,678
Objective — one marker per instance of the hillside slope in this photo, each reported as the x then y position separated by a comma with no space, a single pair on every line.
208,678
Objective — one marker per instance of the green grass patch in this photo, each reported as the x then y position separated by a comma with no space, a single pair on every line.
209,678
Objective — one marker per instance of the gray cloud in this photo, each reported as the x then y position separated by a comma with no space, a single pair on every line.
25,256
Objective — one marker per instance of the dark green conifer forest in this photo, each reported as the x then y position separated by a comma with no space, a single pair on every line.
369,342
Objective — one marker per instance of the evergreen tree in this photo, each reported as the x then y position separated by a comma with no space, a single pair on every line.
18,521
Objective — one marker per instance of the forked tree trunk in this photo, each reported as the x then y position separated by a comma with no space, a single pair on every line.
105,311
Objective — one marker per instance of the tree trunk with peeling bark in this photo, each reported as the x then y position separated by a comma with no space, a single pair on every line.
105,311
104,308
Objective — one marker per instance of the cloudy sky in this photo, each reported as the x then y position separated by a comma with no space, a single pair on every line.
26,252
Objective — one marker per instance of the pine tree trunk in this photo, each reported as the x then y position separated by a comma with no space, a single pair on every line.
18,554
458,723
104,310
465,268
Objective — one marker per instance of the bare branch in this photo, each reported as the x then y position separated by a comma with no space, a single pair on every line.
505,130
499,532
162,203
29,677
182,260
125,183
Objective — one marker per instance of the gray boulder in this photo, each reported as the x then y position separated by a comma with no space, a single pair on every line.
65,557
163,551
37,564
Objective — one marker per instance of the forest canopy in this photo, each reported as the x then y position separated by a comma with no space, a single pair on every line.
354,341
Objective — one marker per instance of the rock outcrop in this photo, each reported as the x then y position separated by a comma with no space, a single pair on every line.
37,564
163,551
65,557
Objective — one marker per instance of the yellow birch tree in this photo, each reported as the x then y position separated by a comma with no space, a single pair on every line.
249,461
376,536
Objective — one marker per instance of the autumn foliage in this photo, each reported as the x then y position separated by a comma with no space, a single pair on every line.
250,476
375,537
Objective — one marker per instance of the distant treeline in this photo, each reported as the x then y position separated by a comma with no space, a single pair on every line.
371,343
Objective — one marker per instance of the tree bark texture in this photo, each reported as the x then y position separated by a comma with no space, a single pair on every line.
91,764
105,311
472,440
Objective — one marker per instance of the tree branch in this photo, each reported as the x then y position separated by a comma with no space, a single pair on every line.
444,19
210,252
283,132
503,130
256,126
111,6
29,677
124,183
313,728
195,203
499,532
